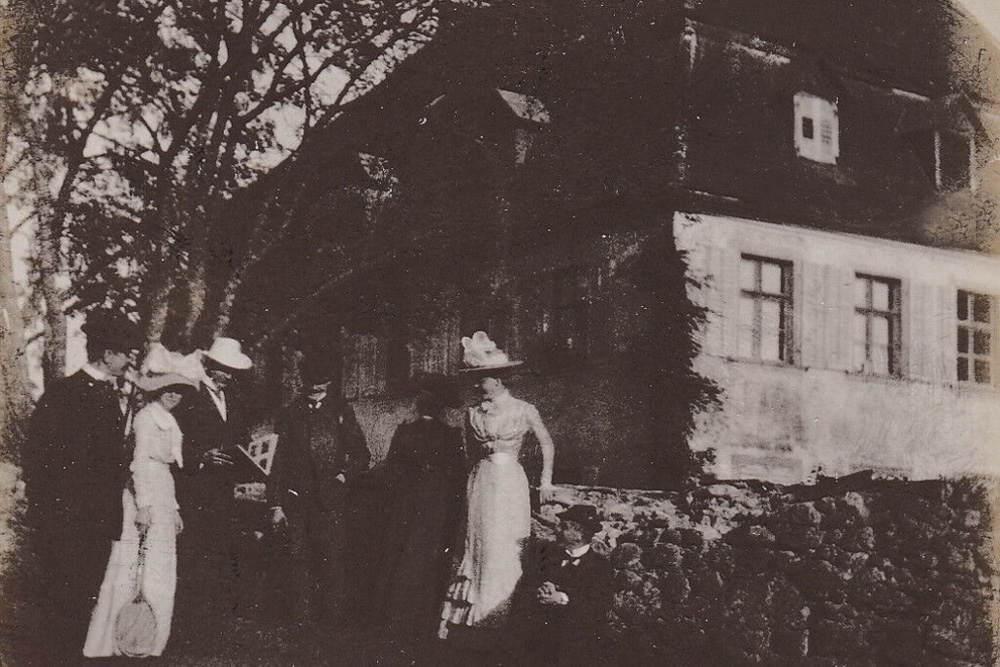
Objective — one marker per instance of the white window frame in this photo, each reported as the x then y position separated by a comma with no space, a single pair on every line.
967,328
893,316
755,296
817,129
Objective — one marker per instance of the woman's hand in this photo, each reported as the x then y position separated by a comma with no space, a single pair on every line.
142,520
459,589
178,522
546,493
278,518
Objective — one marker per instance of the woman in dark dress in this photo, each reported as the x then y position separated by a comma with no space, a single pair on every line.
425,481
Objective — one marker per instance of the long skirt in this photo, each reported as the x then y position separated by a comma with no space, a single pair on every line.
499,519
158,581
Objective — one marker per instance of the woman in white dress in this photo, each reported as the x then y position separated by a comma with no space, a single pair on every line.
499,508
151,511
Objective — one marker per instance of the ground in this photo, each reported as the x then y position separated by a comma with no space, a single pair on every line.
251,641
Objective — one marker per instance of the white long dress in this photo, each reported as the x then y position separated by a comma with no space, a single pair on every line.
499,514
158,444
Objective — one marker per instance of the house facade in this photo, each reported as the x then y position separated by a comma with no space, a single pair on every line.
840,352
818,191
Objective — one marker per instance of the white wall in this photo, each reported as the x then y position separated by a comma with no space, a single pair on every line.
778,421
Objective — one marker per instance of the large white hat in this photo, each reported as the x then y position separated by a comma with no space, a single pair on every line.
480,353
163,368
227,352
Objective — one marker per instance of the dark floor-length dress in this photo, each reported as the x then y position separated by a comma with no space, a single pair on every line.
425,478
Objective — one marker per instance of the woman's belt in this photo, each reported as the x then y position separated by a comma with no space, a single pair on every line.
498,457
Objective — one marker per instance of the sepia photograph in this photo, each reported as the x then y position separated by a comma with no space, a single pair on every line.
500,333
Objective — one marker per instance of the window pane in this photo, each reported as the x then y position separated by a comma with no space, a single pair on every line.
963,370
880,331
963,340
880,295
954,160
880,360
860,340
861,292
981,308
746,326
748,274
982,371
807,127
963,305
770,331
770,277
981,342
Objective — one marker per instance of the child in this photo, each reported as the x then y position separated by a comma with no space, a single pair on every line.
569,593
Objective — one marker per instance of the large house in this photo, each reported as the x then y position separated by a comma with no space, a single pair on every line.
582,181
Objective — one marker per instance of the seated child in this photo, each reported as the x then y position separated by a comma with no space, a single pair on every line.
568,591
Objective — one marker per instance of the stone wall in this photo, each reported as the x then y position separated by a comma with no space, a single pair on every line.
855,573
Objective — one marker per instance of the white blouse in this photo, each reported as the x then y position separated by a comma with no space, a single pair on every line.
158,441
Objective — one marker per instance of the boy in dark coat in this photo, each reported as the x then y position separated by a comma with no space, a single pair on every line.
320,450
569,591
75,468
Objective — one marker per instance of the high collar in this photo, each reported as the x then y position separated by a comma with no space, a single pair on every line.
97,374
579,552
501,399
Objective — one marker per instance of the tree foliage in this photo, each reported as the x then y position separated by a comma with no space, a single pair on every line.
137,120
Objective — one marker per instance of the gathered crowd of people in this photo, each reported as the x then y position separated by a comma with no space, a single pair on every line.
156,520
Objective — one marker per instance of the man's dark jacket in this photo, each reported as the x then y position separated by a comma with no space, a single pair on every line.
205,493
314,446
75,458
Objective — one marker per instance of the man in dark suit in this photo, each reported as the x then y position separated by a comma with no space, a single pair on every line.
75,468
214,425
320,450
571,586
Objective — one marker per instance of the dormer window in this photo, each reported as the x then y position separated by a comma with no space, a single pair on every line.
817,131
954,164
946,157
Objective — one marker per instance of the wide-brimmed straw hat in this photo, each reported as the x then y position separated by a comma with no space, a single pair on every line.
481,355
162,368
227,352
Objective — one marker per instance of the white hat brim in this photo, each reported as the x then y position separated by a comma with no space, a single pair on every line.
238,362
157,382
492,367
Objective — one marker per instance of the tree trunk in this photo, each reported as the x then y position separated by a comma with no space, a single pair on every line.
227,302
159,306
49,264
196,291
14,387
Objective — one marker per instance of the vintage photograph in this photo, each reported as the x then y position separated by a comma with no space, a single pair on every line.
501,333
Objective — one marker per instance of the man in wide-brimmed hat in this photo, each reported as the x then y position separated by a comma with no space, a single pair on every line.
320,450
75,468
214,425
